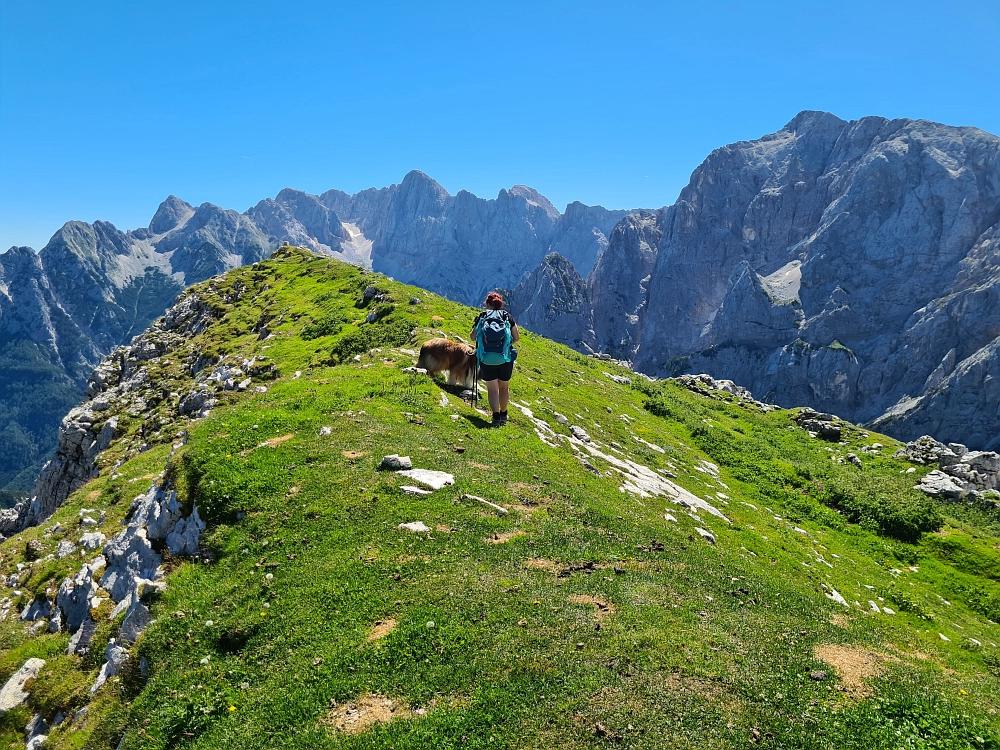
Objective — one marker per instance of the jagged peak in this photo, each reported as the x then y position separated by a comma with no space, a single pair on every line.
810,118
170,214
17,251
292,194
534,198
415,180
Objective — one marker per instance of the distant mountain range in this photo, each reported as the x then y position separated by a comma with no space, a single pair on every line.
93,287
849,266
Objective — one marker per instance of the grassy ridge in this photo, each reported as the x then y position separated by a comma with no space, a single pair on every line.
583,618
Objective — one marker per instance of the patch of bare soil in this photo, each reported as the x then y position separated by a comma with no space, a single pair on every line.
841,621
603,608
381,629
443,528
275,442
504,537
93,494
369,709
854,664
352,454
484,467
540,563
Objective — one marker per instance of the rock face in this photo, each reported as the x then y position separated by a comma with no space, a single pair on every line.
462,246
619,284
853,267
553,298
93,287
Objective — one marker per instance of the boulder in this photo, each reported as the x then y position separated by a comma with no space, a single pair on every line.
395,462
939,484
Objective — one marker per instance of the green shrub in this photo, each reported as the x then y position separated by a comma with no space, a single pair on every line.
878,506
328,325
386,332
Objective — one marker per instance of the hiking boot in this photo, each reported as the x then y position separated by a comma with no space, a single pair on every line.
496,420
503,417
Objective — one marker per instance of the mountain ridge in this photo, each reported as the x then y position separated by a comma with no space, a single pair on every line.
95,286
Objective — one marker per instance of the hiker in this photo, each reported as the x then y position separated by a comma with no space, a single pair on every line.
494,331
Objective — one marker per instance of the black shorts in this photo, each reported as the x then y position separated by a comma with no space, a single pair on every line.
496,372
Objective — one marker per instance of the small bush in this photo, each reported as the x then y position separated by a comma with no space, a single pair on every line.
387,332
880,507
329,325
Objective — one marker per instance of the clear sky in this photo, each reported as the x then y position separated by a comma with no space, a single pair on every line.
106,107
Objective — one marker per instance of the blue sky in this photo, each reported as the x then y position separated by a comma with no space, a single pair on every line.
108,107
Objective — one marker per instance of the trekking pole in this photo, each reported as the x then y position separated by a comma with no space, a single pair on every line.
475,387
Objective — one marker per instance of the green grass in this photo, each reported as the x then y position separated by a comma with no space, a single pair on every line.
548,621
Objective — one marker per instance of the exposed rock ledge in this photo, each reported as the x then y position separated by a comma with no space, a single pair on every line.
118,385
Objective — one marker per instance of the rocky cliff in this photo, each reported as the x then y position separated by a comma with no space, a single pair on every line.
848,266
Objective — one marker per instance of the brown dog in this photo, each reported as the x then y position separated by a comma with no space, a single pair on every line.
440,355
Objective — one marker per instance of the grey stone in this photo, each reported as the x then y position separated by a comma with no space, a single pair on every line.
395,462
818,675
93,540
186,534
39,608
436,480
707,535
13,693
129,555
115,657
36,731
65,549
75,596
417,527
136,620
79,643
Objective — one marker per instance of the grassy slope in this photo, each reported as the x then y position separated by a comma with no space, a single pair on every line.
697,645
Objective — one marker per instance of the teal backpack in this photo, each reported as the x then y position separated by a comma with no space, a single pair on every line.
493,339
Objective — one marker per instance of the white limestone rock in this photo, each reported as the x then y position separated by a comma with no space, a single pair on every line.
416,527
436,480
13,693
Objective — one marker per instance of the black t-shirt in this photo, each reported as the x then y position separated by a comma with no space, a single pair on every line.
507,317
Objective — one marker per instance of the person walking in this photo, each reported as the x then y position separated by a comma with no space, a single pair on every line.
495,331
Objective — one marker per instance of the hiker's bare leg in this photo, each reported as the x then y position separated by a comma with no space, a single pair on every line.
504,394
493,391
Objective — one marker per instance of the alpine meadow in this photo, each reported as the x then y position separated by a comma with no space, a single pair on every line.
630,562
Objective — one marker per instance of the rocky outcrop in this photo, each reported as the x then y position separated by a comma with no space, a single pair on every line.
553,298
119,384
962,472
